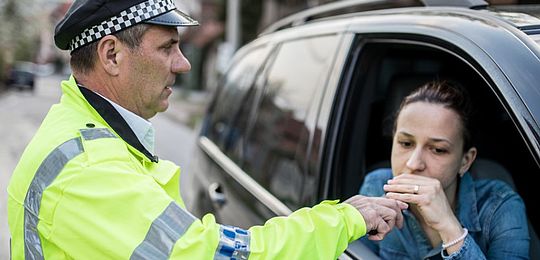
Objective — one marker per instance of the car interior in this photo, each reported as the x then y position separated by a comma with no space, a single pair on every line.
385,71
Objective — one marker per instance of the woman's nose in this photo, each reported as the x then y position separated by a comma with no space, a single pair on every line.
416,162
180,64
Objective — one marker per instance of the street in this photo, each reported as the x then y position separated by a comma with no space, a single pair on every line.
22,113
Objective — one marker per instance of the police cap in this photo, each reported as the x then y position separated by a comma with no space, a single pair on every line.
87,21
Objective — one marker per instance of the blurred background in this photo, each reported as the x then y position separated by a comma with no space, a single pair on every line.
27,28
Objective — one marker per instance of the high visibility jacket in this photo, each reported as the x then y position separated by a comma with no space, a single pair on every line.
81,191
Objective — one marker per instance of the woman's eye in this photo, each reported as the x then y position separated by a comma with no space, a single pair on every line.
440,150
405,144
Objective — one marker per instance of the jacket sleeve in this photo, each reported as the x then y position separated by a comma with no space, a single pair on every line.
321,232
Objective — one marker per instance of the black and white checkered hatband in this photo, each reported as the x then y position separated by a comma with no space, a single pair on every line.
134,15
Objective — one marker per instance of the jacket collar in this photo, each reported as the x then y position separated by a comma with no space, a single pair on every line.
467,203
107,112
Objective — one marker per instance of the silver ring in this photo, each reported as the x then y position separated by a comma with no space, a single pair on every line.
416,188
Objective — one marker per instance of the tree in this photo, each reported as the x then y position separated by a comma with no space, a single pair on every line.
19,30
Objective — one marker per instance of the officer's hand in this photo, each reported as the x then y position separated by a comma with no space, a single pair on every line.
380,214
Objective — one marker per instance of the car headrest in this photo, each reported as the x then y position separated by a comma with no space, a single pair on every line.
399,87
488,169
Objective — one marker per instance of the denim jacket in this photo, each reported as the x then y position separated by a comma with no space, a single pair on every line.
492,212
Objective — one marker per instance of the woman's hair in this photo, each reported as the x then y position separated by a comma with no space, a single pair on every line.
451,95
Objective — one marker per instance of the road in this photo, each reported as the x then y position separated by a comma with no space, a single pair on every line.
21,114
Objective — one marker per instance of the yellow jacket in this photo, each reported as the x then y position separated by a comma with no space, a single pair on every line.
80,191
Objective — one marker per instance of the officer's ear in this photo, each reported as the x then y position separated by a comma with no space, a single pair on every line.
110,54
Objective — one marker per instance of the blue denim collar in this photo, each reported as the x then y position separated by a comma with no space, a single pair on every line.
467,212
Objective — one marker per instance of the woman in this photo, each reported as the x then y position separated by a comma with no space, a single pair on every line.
450,215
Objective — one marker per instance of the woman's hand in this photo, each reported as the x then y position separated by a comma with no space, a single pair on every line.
428,197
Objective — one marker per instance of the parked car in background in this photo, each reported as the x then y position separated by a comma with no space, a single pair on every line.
21,76
303,113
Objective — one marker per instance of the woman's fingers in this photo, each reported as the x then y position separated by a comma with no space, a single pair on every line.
402,188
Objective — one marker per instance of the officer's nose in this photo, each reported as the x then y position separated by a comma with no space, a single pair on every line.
416,162
180,63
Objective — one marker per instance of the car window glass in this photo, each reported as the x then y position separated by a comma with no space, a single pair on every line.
235,142
235,86
276,147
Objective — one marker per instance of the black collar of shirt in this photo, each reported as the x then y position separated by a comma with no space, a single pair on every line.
115,120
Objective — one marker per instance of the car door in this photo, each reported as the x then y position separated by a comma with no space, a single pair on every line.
262,167
207,174
277,147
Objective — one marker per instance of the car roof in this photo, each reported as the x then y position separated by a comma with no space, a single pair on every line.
525,17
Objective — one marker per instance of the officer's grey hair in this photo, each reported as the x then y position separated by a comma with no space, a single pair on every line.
83,59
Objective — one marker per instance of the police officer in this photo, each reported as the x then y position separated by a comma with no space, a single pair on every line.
89,185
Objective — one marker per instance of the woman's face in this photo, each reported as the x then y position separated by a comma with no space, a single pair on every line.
429,141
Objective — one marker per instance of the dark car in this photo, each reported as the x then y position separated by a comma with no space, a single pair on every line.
21,76
303,113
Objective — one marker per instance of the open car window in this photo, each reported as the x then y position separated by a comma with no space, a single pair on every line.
384,73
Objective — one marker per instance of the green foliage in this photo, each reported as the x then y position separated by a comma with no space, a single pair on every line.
19,28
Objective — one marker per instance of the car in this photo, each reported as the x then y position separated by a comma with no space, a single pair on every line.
302,114
21,76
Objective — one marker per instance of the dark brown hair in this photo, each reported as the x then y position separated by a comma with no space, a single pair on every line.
451,95
84,58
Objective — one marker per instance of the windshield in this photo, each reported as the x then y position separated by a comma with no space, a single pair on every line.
512,2
530,9
24,66
524,17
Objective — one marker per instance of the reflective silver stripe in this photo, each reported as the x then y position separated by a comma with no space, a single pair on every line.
233,243
46,173
96,133
163,233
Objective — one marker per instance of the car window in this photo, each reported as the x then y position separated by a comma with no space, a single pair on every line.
235,86
278,140
393,70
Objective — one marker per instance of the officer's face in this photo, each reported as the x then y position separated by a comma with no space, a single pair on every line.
152,70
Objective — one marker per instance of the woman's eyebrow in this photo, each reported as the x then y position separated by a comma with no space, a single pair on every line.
432,139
